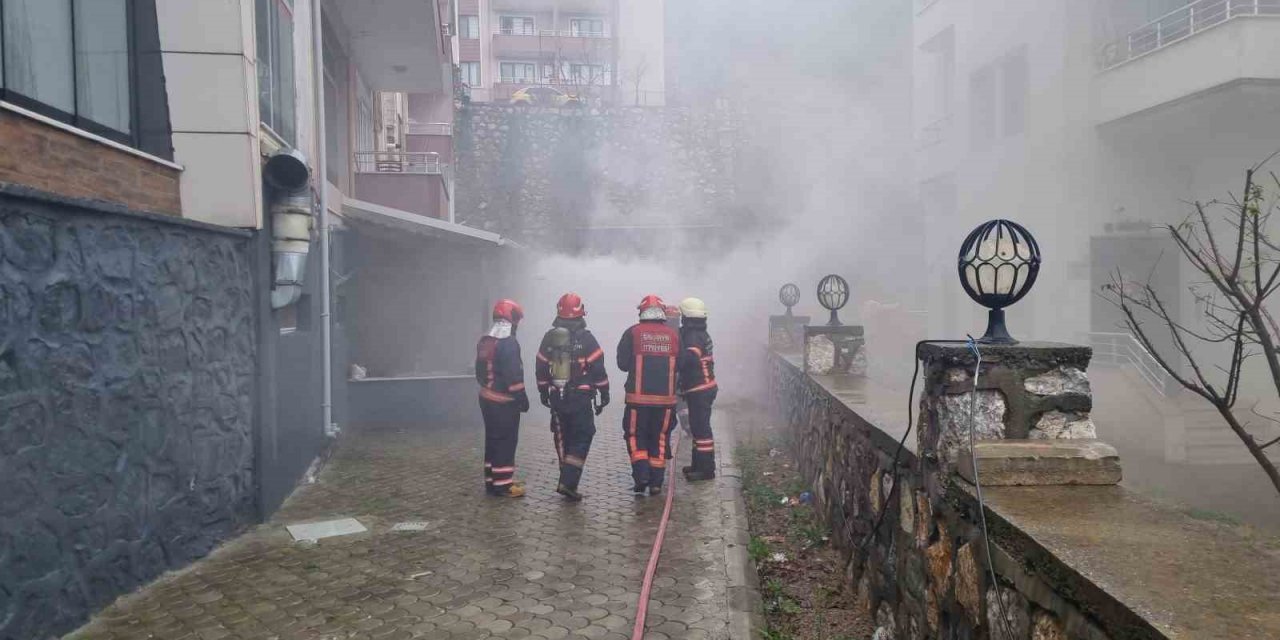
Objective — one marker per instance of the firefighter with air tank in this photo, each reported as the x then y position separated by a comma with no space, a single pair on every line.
573,383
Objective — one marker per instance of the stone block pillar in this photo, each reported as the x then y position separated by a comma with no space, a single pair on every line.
834,350
1031,422
786,332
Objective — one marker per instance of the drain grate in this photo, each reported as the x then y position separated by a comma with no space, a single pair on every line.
412,525
329,528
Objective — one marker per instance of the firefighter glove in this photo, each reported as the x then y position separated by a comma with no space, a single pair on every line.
522,402
603,402
544,395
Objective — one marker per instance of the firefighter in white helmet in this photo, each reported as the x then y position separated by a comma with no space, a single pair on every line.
697,380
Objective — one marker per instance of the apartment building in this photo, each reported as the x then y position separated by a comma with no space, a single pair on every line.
196,201
1089,120
599,51
1091,123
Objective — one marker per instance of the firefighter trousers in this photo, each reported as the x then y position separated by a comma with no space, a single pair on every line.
647,431
573,423
704,446
501,434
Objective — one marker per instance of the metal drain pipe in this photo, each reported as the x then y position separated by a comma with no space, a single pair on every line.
326,233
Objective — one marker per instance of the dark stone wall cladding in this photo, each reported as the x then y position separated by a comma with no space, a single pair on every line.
127,357
923,574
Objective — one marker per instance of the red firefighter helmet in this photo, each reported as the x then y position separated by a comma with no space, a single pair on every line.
570,306
652,308
671,311
509,310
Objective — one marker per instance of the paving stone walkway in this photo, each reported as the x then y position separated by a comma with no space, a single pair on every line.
482,568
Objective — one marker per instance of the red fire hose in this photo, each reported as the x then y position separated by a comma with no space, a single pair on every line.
642,608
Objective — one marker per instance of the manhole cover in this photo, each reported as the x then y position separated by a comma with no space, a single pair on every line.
413,525
326,529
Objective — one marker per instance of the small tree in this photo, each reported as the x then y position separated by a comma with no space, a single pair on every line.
1238,279
635,76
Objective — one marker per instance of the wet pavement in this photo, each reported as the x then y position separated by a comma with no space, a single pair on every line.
480,567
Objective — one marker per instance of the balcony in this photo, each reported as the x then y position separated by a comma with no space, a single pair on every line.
403,55
417,182
1210,52
580,46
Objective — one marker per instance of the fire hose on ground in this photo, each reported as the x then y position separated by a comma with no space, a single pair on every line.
646,586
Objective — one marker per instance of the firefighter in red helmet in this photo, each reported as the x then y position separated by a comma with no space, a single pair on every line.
500,372
648,352
573,383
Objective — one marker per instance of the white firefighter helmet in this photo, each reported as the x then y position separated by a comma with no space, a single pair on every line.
693,308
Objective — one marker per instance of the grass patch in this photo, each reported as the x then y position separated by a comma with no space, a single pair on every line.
800,570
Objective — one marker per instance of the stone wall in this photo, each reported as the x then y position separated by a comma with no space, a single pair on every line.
127,367
922,571
541,175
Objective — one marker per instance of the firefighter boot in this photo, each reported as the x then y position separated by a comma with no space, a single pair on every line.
570,474
704,463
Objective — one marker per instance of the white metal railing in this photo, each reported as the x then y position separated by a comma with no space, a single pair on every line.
396,162
1181,23
551,33
1122,349
429,129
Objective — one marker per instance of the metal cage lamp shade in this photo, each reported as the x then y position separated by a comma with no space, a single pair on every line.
789,296
999,262
833,294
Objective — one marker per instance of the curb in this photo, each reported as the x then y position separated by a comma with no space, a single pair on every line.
746,620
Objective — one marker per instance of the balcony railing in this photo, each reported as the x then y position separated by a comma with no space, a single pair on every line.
391,162
1182,23
430,129
551,33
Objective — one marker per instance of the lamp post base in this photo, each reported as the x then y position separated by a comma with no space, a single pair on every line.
996,333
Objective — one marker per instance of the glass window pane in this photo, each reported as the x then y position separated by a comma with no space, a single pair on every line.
102,62
265,83
37,57
284,76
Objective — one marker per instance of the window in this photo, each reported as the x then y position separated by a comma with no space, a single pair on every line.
982,107
71,60
937,78
275,66
586,74
513,72
470,73
586,27
516,26
335,65
998,99
469,27
1016,79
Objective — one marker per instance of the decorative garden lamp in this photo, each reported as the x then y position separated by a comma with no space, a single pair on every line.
999,262
833,294
789,296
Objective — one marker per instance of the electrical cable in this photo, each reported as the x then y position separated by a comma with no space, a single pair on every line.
646,586
982,506
982,509
893,489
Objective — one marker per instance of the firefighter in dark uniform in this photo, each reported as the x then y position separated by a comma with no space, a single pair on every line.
697,375
500,372
647,352
572,381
